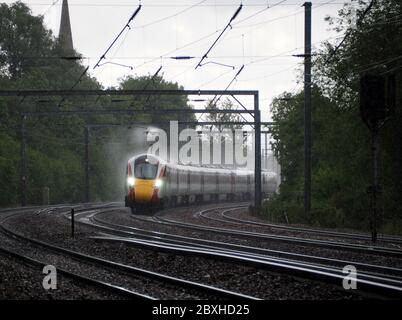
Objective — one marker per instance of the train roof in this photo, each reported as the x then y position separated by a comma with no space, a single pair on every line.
198,167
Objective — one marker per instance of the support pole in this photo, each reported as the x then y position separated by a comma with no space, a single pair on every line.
23,164
234,148
72,223
257,152
45,196
266,150
375,150
307,110
87,164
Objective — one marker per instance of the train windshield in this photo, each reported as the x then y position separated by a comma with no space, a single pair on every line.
145,167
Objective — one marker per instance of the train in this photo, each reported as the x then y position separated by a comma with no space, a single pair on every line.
153,183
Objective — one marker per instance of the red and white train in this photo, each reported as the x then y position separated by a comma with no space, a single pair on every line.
153,182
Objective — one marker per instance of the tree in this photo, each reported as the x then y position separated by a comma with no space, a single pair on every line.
31,58
341,154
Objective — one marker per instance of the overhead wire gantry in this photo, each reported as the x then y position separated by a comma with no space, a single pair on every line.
255,112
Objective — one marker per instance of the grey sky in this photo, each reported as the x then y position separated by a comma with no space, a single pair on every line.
277,31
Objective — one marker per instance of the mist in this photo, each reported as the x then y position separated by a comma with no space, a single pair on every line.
124,143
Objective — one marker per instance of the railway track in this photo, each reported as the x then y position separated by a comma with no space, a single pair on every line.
347,235
197,290
177,239
366,249
379,280
93,282
98,284
373,280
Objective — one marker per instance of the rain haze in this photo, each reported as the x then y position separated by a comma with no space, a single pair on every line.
210,150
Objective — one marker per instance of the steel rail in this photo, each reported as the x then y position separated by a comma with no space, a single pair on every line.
298,269
387,287
357,236
173,248
370,283
239,250
132,270
301,241
130,231
4,210
257,259
96,283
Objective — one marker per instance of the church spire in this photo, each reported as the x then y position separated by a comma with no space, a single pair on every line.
65,35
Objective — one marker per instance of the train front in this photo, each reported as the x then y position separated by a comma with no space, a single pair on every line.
143,182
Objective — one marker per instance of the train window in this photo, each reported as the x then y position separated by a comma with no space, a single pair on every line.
145,167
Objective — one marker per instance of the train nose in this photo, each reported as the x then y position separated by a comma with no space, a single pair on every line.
144,190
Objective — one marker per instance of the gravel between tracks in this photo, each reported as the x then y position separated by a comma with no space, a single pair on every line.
247,280
243,214
136,283
21,281
123,217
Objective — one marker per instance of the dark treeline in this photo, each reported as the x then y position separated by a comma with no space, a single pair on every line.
341,159
32,58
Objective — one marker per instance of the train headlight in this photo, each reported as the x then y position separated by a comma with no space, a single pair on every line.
158,183
130,181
